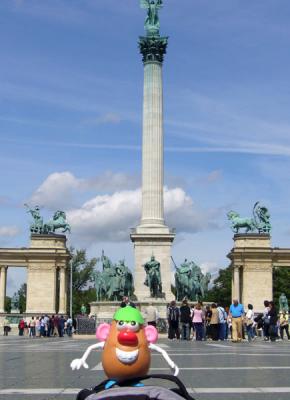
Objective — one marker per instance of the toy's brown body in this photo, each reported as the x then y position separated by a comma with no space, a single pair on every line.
113,367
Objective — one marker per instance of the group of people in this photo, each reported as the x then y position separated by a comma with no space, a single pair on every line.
218,323
44,326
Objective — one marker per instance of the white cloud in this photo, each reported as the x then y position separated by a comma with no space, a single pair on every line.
109,217
56,191
59,190
9,231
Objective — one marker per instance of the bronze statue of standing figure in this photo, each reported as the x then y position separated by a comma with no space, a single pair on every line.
153,277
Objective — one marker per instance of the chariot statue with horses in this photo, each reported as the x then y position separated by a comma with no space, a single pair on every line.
260,222
58,221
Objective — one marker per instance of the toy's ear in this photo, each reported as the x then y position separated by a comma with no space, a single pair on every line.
103,331
151,333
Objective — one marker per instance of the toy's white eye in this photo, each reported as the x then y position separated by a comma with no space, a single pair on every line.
133,326
121,325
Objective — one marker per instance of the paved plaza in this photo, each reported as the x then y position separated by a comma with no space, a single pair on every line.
39,368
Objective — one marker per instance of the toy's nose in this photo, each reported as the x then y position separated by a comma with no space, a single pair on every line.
127,338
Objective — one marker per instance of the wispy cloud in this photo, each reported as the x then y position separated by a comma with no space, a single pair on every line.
108,118
254,148
9,231
218,125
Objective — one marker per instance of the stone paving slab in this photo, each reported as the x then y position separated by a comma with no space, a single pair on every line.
39,368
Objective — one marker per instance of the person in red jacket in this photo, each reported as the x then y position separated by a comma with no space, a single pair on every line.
21,327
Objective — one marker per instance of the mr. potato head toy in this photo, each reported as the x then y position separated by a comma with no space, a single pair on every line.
126,345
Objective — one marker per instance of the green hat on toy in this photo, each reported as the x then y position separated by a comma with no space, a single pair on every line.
128,313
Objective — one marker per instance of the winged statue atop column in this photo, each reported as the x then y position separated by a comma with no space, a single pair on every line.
152,23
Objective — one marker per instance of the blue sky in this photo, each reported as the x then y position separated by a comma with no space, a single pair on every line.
71,112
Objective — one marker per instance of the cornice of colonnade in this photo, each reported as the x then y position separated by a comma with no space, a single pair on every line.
23,257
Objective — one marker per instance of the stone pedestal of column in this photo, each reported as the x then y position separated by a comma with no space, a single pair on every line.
158,244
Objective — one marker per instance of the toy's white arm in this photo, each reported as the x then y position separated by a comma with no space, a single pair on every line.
81,362
166,357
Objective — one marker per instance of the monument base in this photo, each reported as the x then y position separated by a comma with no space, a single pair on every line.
145,245
103,311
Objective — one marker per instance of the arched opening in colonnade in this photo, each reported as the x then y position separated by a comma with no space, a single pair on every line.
16,289
281,282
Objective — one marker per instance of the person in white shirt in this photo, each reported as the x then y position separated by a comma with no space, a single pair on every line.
250,323
266,321
151,315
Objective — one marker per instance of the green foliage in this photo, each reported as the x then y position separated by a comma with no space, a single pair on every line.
82,274
22,298
8,304
221,292
281,283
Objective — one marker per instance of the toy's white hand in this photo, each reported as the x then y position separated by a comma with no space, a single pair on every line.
78,363
81,362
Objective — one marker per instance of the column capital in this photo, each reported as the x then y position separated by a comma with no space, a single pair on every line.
153,48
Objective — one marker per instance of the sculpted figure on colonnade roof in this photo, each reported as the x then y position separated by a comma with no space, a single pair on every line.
58,221
260,222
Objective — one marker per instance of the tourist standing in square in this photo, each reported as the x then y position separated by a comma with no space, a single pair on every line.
273,315
173,321
151,315
185,320
6,326
250,323
214,322
266,320
198,321
222,322
284,325
236,314
32,325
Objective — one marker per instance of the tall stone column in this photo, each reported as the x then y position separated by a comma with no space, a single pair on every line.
62,291
152,147
3,279
152,236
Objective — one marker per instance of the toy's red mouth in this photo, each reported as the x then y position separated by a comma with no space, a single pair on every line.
128,338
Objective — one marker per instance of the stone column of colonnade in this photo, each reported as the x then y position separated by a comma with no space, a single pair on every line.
236,283
62,291
3,279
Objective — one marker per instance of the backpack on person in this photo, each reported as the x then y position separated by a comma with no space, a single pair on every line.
173,314
222,315
130,389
